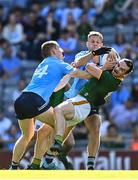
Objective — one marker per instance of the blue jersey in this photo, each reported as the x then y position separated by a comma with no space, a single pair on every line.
47,76
79,83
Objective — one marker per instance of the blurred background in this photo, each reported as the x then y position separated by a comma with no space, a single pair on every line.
26,24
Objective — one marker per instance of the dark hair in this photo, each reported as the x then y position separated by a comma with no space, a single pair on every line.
129,63
46,48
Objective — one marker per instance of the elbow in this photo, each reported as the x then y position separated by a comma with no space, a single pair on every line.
88,76
94,71
88,67
74,74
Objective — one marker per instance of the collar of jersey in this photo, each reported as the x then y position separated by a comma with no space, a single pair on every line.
120,79
53,58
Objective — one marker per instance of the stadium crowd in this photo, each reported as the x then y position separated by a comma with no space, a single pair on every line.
26,24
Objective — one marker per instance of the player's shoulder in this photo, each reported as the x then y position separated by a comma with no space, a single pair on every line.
80,54
66,66
109,76
106,74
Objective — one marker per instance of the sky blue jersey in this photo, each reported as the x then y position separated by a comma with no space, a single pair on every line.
47,76
79,83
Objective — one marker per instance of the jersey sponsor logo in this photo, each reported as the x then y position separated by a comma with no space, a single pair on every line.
86,94
94,110
42,107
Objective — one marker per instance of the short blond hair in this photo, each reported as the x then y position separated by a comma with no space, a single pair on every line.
46,48
95,33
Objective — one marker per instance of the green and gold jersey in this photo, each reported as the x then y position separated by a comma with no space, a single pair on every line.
95,91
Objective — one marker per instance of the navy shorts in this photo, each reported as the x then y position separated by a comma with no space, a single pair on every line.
29,105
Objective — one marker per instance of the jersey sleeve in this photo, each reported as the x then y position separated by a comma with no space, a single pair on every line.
66,68
80,54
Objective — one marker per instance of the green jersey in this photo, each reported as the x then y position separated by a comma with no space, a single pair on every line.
57,97
95,91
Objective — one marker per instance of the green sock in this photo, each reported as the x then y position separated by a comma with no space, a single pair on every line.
63,155
59,139
36,163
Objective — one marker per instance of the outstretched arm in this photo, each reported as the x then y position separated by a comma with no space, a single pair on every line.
76,73
110,62
64,81
84,59
81,61
94,70
80,74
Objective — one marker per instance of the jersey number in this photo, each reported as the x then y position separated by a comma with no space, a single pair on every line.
41,71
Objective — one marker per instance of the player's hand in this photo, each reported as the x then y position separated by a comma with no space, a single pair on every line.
111,57
102,50
108,65
110,62
74,64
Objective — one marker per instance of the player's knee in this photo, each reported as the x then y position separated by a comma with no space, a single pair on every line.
70,142
94,126
94,121
97,125
44,132
58,110
28,136
95,129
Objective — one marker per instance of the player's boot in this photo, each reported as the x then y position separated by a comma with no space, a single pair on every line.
50,166
33,167
11,168
90,168
14,166
68,165
90,165
56,147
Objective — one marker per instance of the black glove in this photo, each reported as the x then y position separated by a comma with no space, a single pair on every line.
102,50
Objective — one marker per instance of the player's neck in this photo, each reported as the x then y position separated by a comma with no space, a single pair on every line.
119,78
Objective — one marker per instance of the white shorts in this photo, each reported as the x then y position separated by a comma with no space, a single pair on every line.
82,110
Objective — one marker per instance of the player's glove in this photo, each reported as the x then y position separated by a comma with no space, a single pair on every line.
102,50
